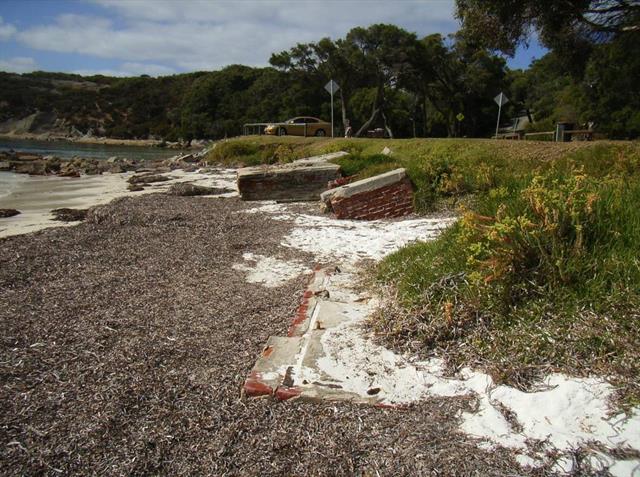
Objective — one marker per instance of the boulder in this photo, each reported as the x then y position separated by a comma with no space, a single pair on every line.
69,215
147,179
5,213
69,169
383,196
186,189
69,173
31,167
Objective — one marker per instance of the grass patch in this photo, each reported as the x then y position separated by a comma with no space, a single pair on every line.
541,274
445,172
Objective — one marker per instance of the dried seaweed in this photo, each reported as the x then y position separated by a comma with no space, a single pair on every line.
125,341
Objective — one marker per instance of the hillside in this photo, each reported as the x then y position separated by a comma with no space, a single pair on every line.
70,105
195,105
440,87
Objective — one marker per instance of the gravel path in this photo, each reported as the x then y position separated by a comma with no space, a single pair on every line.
125,342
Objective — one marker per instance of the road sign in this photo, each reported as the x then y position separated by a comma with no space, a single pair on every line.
332,87
501,99
460,117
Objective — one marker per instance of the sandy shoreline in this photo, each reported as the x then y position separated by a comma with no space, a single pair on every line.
36,196
143,321
125,343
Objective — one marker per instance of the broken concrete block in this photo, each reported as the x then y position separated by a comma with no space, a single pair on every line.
383,196
291,182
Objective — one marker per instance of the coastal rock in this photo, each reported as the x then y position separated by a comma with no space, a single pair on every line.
33,168
69,173
5,213
135,188
186,189
27,157
69,215
116,165
52,164
147,179
191,158
92,167
69,169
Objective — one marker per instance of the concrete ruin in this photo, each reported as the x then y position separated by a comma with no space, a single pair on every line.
387,195
384,196
302,180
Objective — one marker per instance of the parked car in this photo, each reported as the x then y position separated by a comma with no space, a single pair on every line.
300,126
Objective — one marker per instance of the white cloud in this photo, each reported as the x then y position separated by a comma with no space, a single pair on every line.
148,69
181,35
18,64
130,69
6,30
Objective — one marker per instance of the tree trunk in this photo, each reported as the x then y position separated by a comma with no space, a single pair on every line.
424,112
386,126
343,105
366,125
451,125
375,110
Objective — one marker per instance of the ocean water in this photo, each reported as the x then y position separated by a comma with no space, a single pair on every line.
67,150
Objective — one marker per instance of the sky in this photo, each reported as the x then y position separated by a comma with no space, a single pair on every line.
163,37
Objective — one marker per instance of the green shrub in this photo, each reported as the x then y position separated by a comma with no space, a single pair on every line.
234,152
544,272
366,165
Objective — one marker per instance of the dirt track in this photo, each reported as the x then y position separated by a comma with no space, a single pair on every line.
124,345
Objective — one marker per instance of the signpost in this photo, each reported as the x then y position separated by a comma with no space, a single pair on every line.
331,87
500,100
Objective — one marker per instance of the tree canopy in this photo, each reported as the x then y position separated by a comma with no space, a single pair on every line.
389,78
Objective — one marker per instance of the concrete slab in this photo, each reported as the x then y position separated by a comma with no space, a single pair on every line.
365,185
270,369
289,367
302,180
322,158
383,196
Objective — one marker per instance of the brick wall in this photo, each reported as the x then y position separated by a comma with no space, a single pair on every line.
393,200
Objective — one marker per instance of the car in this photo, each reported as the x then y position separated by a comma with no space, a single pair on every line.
299,126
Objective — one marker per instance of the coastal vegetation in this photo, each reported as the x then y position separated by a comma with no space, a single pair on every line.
390,78
540,273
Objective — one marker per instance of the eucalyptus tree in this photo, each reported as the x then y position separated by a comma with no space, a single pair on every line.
383,55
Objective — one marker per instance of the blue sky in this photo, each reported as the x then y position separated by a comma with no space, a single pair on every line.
159,37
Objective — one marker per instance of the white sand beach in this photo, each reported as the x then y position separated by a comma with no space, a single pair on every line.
36,196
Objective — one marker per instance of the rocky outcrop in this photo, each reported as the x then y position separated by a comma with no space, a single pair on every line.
39,124
69,215
147,178
32,164
6,213
186,189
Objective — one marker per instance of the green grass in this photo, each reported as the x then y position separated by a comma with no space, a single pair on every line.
542,272
445,172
